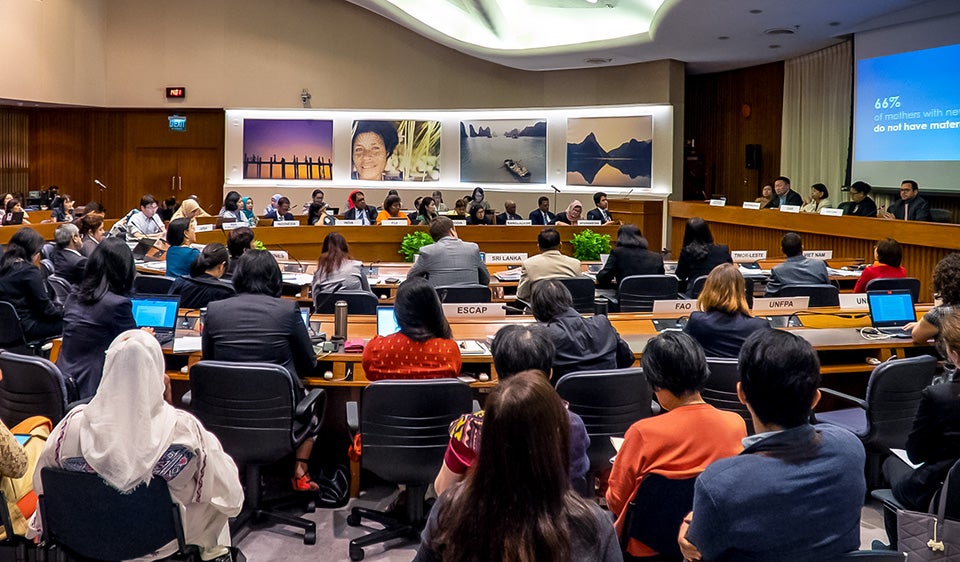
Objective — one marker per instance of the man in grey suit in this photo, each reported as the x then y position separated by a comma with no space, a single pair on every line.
548,264
449,260
797,270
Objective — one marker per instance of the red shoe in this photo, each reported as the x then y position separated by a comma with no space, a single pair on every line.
304,484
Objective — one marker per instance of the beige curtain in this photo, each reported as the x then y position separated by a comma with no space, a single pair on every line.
817,99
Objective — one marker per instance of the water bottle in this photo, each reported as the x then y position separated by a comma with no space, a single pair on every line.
600,306
340,320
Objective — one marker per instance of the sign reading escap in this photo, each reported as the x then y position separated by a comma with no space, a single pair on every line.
474,310
492,257
781,304
666,307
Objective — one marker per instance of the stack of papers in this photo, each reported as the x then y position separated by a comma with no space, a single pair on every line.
298,278
509,275
187,344
471,347
844,272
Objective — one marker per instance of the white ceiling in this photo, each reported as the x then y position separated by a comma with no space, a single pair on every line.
564,34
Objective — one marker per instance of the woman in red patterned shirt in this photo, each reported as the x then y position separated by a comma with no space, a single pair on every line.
423,348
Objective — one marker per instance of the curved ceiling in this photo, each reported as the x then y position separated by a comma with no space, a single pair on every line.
708,35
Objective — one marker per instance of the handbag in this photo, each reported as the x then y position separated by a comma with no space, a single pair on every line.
930,536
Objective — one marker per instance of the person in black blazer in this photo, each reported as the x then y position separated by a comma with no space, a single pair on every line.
361,211
23,286
723,322
863,205
96,313
699,254
258,326
509,213
282,212
542,215
68,262
784,195
629,257
600,213
203,285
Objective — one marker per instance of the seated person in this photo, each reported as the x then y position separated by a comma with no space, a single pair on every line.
10,217
317,215
231,211
910,206
144,222
258,326
91,232
796,490
203,285
460,209
391,210
509,212
629,256
180,255
189,209
582,343
542,215
96,313
239,241
281,213
549,263
478,197
766,195
424,347
797,269
426,211
863,205
127,427
887,256
68,262
818,199
698,255
23,286
478,216
516,348
946,283
680,443
516,503
64,211
449,260
336,268
359,210
571,216
600,213
247,208
723,321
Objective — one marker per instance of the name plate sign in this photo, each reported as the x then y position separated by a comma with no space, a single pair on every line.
789,208
286,223
518,222
232,225
667,307
781,304
492,257
476,310
748,255
588,223
345,222
394,222
853,301
204,228
459,222
818,254
752,205
828,212
718,202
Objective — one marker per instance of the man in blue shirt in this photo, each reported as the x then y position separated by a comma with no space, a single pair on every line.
796,491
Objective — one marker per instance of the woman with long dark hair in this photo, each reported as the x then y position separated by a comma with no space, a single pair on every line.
96,313
203,285
424,347
427,211
91,232
517,504
630,256
336,268
180,255
699,255
231,210
478,215
23,286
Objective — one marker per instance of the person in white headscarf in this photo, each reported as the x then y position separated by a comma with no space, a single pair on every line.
128,435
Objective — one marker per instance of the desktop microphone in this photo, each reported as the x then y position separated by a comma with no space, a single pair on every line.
300,265
100,184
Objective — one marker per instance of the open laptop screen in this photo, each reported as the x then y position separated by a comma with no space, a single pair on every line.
890,309
386,321
156,311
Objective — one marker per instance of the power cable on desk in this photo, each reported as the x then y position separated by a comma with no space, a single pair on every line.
872,334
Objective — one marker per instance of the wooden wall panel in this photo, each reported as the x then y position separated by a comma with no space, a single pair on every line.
60,150
14,151
719,130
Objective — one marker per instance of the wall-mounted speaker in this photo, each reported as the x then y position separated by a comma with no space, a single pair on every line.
754,157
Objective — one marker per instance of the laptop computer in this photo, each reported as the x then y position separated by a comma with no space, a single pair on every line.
13,217
146,248
891,310
386,321
158,312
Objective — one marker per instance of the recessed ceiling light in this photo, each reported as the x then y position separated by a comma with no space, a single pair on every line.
779,31
723,37
591,1
597,60
774,46
834,24
756,11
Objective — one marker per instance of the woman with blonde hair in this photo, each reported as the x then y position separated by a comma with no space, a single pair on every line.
723,322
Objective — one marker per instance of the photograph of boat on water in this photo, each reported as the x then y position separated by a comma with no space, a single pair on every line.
503,151
610,151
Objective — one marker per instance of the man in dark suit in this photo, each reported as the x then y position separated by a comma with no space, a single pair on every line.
366,214
509,213
862,204
910,206
68,262
784,195
449,260
797,270
600,213
542,215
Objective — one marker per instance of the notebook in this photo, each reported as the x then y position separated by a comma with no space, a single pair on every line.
386,321
158,312
891,310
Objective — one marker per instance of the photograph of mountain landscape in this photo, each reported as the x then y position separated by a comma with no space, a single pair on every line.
610,151
503,151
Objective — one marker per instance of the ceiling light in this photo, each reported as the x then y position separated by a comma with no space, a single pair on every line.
591,1
779,31
597,60
756,11
723,37
834,24
774,46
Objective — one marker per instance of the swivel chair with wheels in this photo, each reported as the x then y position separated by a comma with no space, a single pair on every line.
33,386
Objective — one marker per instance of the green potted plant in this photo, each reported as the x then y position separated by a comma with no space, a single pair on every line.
412,242
588,245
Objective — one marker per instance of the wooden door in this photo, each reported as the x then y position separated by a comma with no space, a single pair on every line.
157,171
200,173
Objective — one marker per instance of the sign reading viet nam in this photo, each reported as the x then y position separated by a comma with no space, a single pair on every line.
666,307
507,257
853,301
781,304
474,310
286,223
818,254
748,255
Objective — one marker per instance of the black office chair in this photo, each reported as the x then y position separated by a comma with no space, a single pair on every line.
358,302
884,419
609,403
911,284
941,215
823,294
260,416
463,293
46,252
13,548
91,520
46,267
152,284
404,428
583,290
12,337
33,386
61,287
655,513
720,390
637,292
